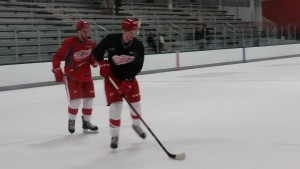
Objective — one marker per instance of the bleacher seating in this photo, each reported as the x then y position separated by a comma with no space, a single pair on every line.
182,21
32,31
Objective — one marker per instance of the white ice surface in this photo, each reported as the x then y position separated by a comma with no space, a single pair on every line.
243,116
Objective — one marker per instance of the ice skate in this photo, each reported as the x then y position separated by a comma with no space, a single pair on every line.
88,127
139,131
114,142
71,126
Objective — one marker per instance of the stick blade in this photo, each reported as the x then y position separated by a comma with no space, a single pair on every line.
177,156
180,156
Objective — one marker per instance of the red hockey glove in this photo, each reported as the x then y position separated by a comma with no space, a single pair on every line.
124,87
104,68
58,74
94,63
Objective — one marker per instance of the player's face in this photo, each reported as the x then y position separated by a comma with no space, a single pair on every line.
84,33
129,35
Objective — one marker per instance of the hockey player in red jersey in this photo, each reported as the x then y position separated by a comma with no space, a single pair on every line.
125,60
76,52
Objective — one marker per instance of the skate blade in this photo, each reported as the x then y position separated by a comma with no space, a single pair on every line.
87,131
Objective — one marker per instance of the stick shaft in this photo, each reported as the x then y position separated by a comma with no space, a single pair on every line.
145,124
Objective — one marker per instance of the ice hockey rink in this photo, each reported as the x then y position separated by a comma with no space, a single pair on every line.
241,116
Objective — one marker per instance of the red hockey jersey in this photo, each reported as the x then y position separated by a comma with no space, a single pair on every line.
78,58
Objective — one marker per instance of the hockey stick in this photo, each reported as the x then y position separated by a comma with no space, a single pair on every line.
172,156
76,67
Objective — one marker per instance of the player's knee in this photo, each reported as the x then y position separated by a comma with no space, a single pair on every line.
88,103
74,104
115,110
